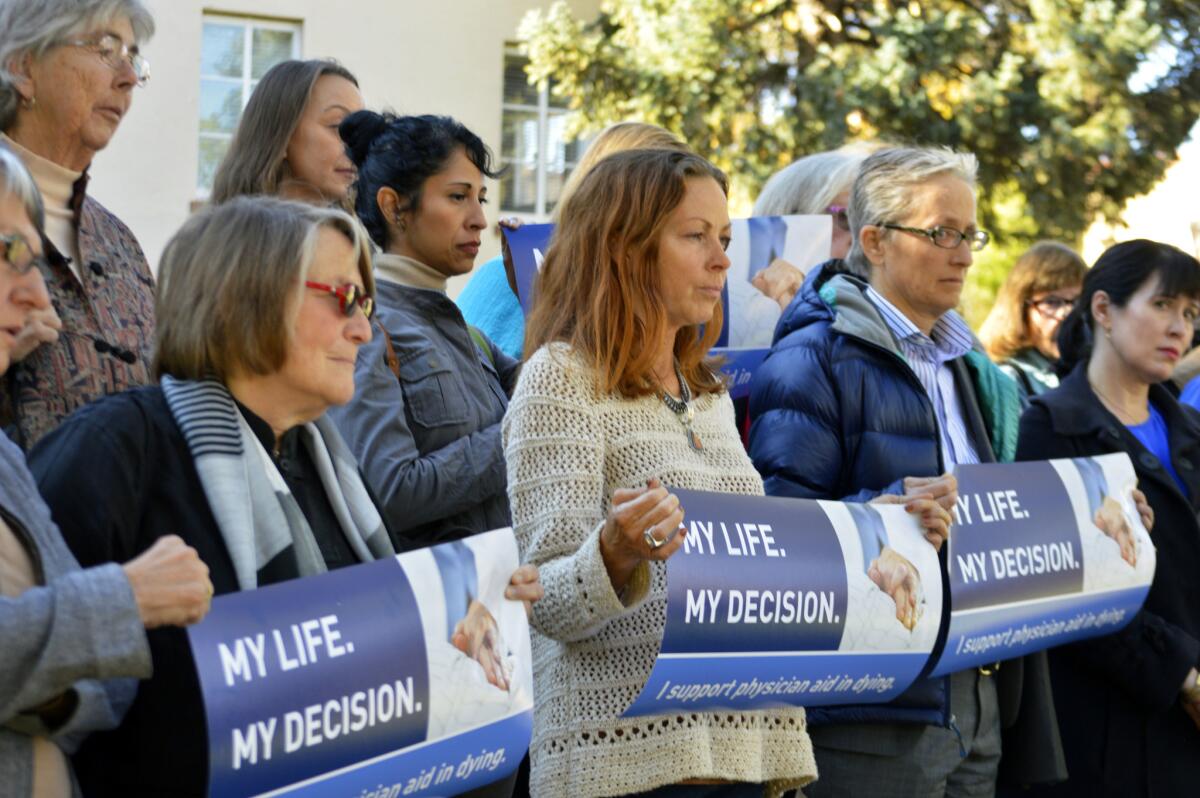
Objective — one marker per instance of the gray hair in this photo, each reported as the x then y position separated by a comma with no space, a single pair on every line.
883,190
31,27
230,281
16,181
811,184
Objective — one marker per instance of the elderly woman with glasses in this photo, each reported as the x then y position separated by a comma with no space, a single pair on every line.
1020,331
68,69
874,390
64,629
263,306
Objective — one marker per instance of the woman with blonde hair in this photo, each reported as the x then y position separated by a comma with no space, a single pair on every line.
287,141
616,401
1020,331
490,301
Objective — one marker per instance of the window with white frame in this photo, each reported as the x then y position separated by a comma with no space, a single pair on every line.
535,150
235,52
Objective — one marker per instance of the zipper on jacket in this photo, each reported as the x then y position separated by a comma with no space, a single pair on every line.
948,719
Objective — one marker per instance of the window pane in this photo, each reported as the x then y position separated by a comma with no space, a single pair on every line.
221,49
220,105
519,136
212,150
561,157
517,90
268,48
518,187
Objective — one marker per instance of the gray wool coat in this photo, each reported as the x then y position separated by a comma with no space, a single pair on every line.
77,627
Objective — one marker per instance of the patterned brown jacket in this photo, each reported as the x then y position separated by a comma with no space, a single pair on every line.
108,327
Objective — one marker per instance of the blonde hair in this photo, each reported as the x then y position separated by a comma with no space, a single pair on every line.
1046,266
613,139
230,283
254,162
599,287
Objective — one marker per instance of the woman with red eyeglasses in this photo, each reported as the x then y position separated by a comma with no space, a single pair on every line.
264,304
1020,332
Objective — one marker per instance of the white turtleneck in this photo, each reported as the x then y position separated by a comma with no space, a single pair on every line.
406,271
56,184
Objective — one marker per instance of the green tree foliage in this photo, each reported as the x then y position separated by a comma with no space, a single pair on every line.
1072,106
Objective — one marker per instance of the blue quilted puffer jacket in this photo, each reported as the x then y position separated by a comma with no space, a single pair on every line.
837,414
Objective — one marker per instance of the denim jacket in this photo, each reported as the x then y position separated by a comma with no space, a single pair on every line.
429,442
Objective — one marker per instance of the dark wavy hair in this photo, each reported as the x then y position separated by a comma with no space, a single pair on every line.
401,152
1120,272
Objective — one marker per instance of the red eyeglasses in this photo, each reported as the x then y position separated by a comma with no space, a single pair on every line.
349,297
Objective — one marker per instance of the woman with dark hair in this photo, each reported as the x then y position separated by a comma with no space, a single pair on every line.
287,143
617,400
1020,332
1128,704
430,390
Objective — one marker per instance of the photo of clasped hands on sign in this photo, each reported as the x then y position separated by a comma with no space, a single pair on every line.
1109,525
888,600
479,663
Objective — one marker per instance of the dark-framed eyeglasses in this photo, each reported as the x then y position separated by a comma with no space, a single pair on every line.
114,52
838,212
349,297
20,256
946,237
1052,307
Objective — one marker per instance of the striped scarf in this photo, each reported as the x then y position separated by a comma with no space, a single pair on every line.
258,517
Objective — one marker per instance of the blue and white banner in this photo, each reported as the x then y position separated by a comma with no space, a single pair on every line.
1041,554
407,676
775,602
759,248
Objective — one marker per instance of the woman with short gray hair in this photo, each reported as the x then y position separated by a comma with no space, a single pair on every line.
64,629
264,304
68,69
817,184
874,391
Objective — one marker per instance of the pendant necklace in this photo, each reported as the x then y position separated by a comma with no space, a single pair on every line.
683,410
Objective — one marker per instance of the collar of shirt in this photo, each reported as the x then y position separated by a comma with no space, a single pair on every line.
950,338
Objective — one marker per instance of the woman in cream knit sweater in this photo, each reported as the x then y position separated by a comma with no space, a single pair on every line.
615,403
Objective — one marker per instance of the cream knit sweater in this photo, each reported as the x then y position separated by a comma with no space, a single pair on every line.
568,448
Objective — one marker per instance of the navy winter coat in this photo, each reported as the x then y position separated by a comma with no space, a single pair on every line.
837,414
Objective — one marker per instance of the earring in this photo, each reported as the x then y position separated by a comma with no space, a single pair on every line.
400,223
28,102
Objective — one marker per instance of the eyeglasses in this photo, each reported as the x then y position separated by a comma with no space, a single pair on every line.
16,250
947,237
1052,307
115,52
838,212
349,297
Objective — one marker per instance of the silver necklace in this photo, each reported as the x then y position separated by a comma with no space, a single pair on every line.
683,410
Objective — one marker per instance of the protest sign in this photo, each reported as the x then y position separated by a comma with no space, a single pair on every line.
355,682
768,242
775,602
1041,554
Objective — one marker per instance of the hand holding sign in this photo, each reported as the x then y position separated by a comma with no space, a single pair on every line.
930,499
636,515
170,584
